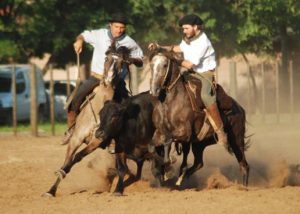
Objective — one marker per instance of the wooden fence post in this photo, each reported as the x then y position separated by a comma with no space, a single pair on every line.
33,102
14,99
277,92
68,80
291,75
52,102
233,80
263,92
249,90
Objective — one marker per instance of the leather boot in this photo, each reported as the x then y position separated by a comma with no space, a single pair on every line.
71,119
217,123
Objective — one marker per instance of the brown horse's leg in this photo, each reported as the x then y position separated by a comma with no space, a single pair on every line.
185,149
197,149
237,144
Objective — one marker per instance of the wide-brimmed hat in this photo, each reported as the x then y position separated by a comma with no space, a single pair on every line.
118,17
191,19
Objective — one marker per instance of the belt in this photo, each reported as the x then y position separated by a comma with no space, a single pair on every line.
213,70
98,76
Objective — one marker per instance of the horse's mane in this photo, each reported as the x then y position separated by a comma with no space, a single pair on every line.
122,51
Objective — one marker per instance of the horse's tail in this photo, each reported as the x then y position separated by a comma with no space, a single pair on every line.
238,135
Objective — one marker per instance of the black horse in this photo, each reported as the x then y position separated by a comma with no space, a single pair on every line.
181,119
112,87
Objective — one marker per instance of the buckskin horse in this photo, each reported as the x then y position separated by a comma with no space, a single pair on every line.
180,116
111,88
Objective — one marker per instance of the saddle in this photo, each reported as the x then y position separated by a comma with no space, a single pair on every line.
89,97
193,87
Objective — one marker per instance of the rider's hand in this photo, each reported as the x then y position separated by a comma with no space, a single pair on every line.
153,46
187,64
78,46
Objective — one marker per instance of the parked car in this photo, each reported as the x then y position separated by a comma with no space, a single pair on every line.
60,97
22,93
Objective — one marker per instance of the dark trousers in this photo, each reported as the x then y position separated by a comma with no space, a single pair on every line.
85,88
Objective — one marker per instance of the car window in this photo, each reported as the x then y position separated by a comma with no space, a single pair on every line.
20,87
5,84
60,89
20,76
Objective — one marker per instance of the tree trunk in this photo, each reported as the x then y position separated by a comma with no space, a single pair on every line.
255,91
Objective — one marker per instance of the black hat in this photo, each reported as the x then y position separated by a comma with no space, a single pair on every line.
118,17
190,20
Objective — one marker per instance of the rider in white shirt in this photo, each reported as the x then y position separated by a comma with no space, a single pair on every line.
101,39
199,56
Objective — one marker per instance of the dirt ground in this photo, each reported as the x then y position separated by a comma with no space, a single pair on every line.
27,166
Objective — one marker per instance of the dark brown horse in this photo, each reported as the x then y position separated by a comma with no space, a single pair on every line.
112,87
177,119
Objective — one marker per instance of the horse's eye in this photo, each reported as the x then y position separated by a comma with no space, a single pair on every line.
165,65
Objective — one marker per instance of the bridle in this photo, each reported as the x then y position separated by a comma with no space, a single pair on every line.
111,62
167,77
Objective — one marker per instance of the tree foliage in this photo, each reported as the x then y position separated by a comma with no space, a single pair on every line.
35,27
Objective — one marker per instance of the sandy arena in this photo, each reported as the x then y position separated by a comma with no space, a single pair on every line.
27,166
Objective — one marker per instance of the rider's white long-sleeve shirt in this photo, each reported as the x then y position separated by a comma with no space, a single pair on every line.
200,52
101,41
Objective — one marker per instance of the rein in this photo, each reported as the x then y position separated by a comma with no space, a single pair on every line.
164,86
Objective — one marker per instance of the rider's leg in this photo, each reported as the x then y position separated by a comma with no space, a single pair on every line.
85,88
208,96
213,112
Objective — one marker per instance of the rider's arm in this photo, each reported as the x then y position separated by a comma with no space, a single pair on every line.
78,44
185,63
152,46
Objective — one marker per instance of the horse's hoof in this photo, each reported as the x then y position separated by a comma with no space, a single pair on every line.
48,195
118,194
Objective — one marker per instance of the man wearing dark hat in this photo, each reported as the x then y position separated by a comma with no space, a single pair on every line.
101,39
199,56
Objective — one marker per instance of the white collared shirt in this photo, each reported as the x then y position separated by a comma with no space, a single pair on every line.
200,52
100,41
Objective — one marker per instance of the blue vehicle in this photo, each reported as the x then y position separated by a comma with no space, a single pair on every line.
22,92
